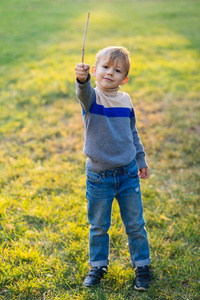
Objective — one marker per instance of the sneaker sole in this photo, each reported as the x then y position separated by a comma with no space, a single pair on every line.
90,286
140,288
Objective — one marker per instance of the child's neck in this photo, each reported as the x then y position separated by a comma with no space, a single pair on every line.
108,92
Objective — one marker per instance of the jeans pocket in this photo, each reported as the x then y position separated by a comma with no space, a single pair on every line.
93,176
133,172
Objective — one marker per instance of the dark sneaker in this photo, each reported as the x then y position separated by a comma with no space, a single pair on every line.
94,276
142,278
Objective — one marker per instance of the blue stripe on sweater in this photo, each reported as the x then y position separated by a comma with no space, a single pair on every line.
111,112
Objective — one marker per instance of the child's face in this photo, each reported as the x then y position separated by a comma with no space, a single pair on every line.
109,74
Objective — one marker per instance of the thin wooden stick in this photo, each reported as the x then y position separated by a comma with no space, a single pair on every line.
83,49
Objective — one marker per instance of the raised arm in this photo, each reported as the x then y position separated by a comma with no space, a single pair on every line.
85,92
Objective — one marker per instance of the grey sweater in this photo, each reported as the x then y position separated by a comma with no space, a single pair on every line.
111,138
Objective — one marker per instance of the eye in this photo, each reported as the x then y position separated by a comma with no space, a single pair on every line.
105,67
118,71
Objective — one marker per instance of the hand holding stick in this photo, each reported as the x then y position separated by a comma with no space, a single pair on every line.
83,49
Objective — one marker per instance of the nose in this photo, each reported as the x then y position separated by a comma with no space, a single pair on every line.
110,71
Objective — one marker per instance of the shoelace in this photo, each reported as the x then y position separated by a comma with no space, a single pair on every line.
143,271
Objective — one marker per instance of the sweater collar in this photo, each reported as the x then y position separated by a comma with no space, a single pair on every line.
108,92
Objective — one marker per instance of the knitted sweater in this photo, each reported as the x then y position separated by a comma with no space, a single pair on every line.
111,138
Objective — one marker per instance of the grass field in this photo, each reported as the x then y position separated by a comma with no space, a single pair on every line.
43,222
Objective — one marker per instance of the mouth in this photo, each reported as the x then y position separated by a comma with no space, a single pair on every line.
108,79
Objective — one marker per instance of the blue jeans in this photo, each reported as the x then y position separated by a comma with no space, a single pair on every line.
122,184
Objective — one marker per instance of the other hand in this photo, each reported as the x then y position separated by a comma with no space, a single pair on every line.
144,173
82,71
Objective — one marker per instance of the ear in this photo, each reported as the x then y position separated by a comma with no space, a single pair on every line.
125,80
93,71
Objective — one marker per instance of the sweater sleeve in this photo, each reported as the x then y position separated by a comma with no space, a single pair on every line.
85,93
140,154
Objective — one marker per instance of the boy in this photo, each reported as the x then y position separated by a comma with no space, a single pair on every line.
115,154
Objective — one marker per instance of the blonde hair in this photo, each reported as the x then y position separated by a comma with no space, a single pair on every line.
114,53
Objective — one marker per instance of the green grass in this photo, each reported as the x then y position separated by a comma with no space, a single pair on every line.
43,221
